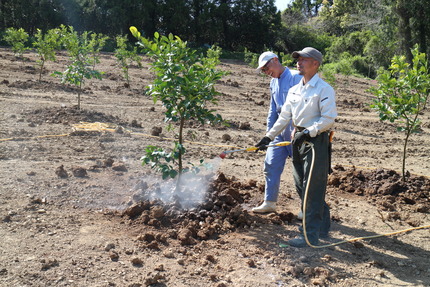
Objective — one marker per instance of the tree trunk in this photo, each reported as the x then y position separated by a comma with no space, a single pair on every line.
181,128
405,28
79,95
41,70
408,133
422,33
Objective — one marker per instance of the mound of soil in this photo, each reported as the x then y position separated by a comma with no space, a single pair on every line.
379,183
220,212
385,189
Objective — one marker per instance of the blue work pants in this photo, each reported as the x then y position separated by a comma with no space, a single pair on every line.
274,165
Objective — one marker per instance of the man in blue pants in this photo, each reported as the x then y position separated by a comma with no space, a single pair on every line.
311,105
282,80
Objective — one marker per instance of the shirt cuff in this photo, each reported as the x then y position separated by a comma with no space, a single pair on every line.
270,136
313,132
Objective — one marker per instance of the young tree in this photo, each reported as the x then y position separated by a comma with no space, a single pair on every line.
80,67
16,38
95,45
402,94
126,57
185,84
46,45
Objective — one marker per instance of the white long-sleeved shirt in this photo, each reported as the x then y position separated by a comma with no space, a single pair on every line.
311,106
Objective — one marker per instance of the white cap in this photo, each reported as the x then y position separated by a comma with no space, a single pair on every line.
264,58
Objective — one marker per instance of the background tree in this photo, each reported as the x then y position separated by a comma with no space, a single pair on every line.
17,38
46,46
232,24
126,56
80,66
253,25
307,8
413,23
31,14
383,28
95,44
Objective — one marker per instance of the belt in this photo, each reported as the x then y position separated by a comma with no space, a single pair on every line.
300,129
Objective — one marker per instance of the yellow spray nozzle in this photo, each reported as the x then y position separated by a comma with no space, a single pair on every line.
280,144
253,148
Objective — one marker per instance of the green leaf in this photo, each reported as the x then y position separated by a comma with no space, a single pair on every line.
173,173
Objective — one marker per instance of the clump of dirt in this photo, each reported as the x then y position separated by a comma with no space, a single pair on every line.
221,212
236,125
69,115
383,187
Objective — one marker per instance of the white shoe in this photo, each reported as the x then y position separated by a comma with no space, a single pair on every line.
267,206
300,215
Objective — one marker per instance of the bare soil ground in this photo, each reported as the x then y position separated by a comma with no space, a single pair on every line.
78,209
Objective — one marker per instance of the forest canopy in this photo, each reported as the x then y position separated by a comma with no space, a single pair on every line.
365,34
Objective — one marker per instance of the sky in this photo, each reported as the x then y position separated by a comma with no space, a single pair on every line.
282,4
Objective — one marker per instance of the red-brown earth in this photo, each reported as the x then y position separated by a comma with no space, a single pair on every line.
79,209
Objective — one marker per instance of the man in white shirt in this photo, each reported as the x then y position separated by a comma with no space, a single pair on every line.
311,106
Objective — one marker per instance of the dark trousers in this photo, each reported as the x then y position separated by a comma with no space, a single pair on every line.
317,212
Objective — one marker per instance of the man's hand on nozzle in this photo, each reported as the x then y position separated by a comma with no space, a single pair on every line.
301,137
262,144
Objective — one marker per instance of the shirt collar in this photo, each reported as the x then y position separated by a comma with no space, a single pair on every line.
285,73
314,80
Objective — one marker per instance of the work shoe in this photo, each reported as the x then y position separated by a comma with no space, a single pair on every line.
300,215
267,206
299,242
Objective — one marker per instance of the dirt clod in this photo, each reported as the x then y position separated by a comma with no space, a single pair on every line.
245,126
153,278
108,162
136,261
48,264
109,246
113,255
61,172
79,172
226,138
119,167
156,131
251,263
